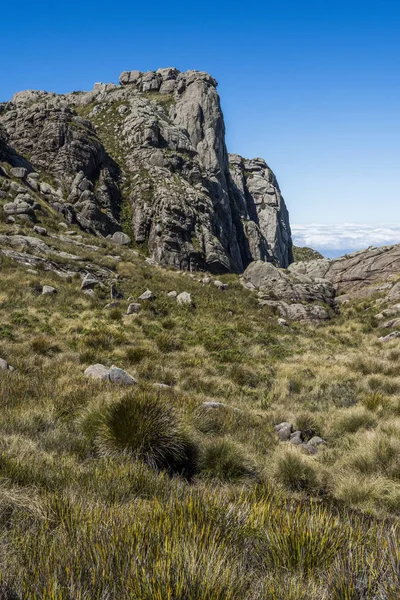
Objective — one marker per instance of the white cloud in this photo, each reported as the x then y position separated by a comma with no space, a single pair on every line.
349,236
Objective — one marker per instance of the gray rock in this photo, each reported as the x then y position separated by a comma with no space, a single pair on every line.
147,295
121,238
296,438
282,322
90,292
98,371
121,377
184,298
283,431
89,282
133,308
162,386
390,336
4,366
172,294
316,441
10,220
19,172
220,285
48,289
40,230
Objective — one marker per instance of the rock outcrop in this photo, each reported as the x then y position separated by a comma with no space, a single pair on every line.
296,297
354,272
148,157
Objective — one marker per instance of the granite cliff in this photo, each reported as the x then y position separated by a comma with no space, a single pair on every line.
148,156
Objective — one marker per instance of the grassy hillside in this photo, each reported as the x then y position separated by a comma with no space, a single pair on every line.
151,492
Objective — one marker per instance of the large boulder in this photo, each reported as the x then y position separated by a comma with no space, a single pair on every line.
296,297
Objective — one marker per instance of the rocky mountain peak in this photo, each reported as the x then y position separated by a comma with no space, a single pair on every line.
148,156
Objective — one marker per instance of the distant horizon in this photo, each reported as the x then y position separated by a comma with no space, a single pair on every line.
336,239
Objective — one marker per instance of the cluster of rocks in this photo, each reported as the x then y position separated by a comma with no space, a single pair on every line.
295,297
286,433
113,374
192,204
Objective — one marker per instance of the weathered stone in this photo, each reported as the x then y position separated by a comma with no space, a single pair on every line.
48,289
121,238
40,230
283,431
98,371
390,336
90,292
184,298
296,438
18,172
147,295
121,377
316,441
220,285
89,282
172,294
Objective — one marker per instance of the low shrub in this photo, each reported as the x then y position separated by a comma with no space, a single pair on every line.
223,460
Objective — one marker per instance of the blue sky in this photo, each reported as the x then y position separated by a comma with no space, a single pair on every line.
313,87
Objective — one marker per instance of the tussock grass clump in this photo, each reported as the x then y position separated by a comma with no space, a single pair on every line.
353,419
145,426
225,461
295,471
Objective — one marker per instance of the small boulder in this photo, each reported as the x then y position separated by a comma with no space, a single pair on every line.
97,371
172,294
390,336
90,292
40,230
120,238
184,298
206,280
282,322
316,441
120,376
162,386
133,308
4,366
89,282
220,285
296,438
18,172
147,295
48,289
283,431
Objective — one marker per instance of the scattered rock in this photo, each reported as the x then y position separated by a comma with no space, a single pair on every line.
4,366
133,308
19,172
90,292
147,295
296,438
390,336
206,280
48,289
98,371
220,285
282,322
40,230
120,238
10,220
162,386
184,298
63,225
283,431
89,282
213,405
316,441
172,294
32,272
120,376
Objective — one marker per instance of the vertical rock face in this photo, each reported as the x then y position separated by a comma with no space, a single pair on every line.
149,156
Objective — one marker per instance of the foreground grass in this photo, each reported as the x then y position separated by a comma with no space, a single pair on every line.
198,502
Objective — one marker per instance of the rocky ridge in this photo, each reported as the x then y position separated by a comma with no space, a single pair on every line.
148,156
